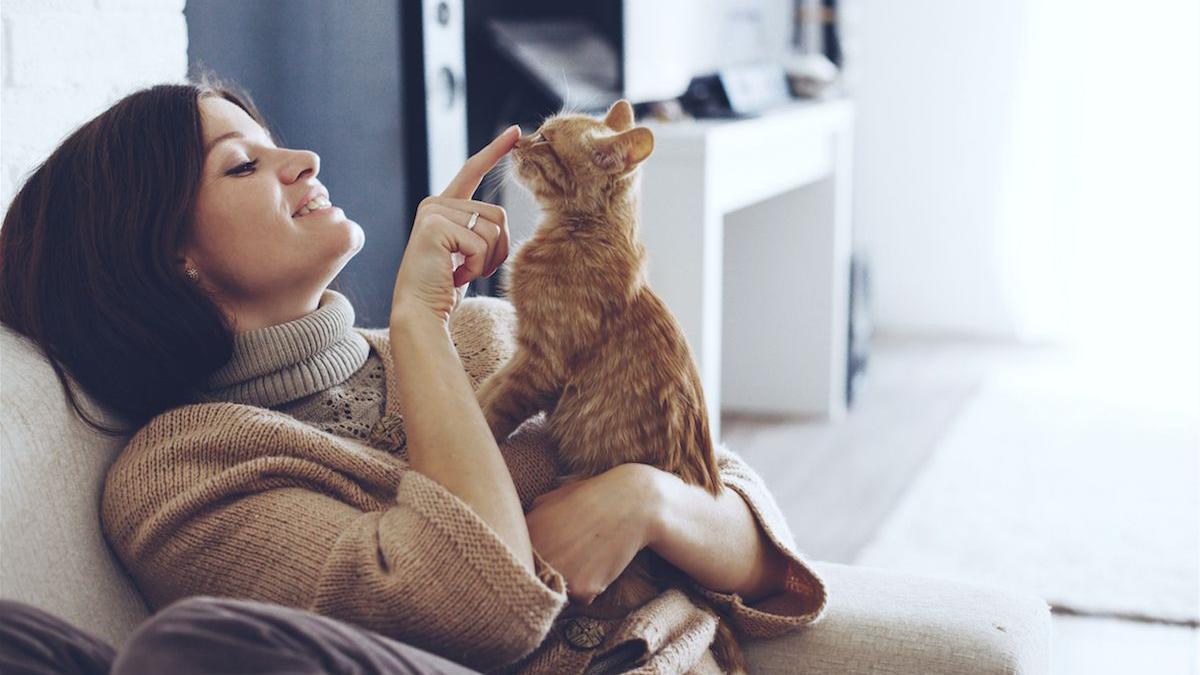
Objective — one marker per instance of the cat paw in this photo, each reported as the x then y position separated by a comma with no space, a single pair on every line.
483,398
499,435
500,428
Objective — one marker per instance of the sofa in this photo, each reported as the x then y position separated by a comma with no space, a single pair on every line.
53,556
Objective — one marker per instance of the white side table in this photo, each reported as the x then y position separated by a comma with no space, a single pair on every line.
747,229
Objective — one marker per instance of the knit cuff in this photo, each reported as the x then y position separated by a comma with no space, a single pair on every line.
509,604
803,599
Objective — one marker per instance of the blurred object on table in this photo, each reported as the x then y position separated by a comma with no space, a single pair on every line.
742,90
812,76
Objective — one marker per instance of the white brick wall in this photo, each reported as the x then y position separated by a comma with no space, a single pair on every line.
64,61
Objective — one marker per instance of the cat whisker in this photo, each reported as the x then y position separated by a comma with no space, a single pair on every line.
577,107
501,176
566,84
489,190
493,181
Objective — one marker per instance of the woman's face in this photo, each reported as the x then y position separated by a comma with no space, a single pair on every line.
264,265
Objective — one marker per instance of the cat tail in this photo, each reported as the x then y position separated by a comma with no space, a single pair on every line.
727,651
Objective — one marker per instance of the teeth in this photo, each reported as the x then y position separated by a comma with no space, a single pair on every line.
318,203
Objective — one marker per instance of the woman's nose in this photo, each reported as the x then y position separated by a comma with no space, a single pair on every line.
309,161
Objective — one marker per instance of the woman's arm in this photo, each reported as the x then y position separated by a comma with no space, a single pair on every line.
803,597
737,548
448,438
301,522
714,540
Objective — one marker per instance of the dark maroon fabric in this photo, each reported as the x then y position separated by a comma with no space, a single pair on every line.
224,635
34,642
209,636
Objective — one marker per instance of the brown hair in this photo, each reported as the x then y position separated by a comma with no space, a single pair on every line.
89,249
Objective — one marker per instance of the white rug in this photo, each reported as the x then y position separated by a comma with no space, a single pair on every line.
1058,485
1082,645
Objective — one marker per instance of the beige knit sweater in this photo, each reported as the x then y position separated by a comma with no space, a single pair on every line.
238,500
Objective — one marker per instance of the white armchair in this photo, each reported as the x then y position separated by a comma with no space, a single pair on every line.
53,556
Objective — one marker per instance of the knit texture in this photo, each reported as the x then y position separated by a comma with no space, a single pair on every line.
278,367
353,409
284,362
240,500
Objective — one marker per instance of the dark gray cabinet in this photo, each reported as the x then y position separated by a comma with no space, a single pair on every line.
328,77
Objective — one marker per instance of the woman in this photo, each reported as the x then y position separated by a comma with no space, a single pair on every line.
176,263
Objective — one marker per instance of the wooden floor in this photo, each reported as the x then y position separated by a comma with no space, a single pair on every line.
837,481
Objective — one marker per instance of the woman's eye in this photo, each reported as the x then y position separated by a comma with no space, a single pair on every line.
242,168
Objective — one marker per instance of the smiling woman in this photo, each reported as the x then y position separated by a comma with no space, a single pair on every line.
133,274
91,245
258,241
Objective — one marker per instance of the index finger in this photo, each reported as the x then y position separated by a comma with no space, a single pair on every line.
463,185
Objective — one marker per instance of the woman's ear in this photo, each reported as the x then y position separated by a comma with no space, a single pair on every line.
623,152
620,116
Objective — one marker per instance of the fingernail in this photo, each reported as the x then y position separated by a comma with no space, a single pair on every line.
515,126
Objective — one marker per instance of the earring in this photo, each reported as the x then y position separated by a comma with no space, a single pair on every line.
193,273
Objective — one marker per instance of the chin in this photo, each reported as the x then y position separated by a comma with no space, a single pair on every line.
358,237
526,174
352,235
342,242
530,183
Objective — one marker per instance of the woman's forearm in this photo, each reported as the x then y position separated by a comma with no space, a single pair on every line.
715,540
448,438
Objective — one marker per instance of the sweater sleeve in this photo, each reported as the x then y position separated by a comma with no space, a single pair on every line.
803,600
424,569
430,572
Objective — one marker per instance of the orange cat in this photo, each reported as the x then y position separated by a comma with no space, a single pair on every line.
596,348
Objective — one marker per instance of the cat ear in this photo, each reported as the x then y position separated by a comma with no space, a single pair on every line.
620,116
624,151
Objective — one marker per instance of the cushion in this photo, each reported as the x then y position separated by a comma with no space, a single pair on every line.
52,468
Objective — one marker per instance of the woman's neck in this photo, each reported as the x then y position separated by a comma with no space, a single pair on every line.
254,315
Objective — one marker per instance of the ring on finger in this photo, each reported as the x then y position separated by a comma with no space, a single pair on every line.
473,220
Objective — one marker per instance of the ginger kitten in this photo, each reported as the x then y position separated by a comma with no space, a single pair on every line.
597,349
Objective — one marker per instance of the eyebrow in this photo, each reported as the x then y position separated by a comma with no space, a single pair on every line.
224,137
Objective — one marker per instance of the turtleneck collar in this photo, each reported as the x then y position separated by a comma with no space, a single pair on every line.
291,360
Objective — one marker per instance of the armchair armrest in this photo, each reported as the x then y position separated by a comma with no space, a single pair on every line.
879,620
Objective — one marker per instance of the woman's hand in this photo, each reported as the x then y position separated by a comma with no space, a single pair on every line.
427,282
590,529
